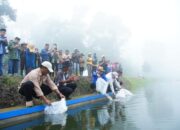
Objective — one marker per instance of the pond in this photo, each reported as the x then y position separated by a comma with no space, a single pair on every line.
153,107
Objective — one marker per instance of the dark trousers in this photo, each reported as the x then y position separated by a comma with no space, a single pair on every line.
27,90
81,70
22,65
13,66
68,89
1,64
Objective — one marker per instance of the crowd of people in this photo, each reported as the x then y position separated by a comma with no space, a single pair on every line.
65,68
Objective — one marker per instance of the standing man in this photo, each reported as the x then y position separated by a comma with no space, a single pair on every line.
14,55
89,64
75,60
30,58
45,53
38,84
104,64
3,44
55,60
95,62
23,58
81,63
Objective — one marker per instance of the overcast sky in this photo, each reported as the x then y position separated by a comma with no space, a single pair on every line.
153,25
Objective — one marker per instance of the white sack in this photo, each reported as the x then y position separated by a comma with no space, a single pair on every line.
123,93
56,107
101,86
85,73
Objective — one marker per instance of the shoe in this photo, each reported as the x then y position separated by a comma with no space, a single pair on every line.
29,104
68,98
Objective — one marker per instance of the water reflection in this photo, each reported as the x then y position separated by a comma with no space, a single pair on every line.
56,119
153,107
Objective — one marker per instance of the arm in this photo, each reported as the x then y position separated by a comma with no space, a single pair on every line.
10,46
59,94
37,89
47,101
70,79
53,87
4,41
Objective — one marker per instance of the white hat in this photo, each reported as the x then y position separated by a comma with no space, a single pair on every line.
115,74
48,65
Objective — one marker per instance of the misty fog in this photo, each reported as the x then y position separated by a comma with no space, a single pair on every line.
142,35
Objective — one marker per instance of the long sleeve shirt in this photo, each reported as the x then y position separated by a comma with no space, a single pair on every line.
38,79
3,44
95,77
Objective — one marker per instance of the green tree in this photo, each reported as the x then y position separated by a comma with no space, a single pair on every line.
6,11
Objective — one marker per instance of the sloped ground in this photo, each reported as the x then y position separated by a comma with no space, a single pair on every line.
9,92
10,97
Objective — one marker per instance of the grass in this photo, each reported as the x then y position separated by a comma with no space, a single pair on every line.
133,83
10,97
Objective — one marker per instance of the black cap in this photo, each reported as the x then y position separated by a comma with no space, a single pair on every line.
3,30
66,64
17,38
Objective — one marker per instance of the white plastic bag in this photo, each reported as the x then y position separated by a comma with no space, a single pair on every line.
85,73
101,86
56,107
103,116
123,93
57,119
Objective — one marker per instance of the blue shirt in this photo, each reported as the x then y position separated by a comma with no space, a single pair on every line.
45,55
3,44
30,59
95,77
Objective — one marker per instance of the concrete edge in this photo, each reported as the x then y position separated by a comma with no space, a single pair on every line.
23,114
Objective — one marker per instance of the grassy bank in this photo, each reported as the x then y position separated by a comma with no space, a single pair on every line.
133,83
10,97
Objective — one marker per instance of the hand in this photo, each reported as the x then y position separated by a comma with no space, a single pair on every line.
16,46
60,95
71,78
47,101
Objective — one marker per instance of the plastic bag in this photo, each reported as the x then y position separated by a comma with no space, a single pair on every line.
123,93
101,86
56,119
85,73
56,107
103,116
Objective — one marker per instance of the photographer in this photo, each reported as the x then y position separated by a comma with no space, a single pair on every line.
14,55
3,44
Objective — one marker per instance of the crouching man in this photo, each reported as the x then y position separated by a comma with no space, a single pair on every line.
66,82
37,83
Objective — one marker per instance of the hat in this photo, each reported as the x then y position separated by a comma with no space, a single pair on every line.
31,47
2,30
48,65
102,56
115,74
100,68
23,43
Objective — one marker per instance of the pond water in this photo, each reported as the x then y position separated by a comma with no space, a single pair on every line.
154,107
